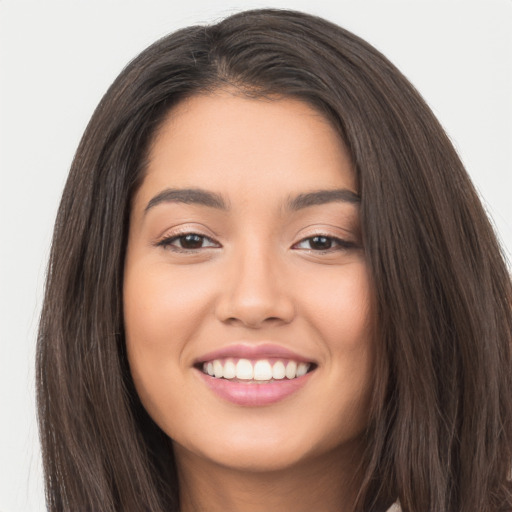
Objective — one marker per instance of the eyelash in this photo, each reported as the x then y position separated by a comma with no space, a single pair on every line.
167,242
339,244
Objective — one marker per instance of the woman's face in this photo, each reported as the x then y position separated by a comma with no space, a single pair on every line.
244,260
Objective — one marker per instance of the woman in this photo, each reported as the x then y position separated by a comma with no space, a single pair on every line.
272,287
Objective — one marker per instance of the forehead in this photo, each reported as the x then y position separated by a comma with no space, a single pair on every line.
239,147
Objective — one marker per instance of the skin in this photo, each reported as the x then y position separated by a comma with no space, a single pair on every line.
257,276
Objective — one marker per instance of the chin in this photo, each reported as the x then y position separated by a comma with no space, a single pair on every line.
264,450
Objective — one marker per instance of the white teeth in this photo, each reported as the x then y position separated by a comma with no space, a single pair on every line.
302,369
291,370
229,370
278,370
260,370
217,369
244,370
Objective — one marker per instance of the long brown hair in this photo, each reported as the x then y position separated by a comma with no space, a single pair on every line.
440,433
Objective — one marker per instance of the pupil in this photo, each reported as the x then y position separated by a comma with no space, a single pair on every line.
321,242
191,241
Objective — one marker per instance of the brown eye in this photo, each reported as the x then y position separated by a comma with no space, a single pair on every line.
320,242
187,242
191,241
324,243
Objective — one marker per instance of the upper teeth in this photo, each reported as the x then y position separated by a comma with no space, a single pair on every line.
261,369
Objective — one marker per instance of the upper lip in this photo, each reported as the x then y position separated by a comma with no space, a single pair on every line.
253,351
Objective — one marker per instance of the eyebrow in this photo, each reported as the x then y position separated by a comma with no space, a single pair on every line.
213,200
322,197
188,196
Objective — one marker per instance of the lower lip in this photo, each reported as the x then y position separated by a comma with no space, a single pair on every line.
251,394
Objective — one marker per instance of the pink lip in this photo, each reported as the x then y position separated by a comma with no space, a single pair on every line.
250,394
251,351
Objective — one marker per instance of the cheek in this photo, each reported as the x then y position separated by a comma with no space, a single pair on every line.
161,309
161,315
338,304
338,307
349,329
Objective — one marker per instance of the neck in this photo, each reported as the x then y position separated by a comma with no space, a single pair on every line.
322,484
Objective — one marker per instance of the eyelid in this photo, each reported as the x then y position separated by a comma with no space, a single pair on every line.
341,243
185,228
327,230
165,241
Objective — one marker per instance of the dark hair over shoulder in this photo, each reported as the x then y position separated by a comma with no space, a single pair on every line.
440,434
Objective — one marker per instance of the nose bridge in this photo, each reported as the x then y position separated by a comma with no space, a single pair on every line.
254,291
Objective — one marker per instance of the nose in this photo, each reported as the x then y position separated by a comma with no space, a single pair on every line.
256,291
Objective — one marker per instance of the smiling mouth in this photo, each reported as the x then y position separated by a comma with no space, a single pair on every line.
259,371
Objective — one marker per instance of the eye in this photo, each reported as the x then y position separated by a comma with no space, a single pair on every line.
323,243
187,242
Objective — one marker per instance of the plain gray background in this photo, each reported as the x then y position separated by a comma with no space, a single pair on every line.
57,58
